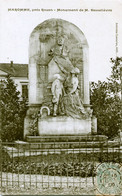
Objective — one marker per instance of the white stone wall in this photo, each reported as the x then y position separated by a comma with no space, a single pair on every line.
18,81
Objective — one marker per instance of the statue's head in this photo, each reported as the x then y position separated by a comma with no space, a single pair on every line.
60,40
59,77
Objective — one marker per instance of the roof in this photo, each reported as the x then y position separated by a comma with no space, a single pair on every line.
15,70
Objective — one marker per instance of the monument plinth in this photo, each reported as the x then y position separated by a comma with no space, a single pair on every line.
58,81
63,125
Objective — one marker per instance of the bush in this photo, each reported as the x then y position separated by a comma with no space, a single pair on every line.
106,101
82,165
54,169
13,111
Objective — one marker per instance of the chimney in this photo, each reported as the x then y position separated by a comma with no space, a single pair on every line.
12,67
11,64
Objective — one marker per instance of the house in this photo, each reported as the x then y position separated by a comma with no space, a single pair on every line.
19,74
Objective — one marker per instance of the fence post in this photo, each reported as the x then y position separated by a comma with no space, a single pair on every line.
0,131
0,155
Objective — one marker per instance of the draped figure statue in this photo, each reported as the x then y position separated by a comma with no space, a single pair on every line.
60,55
72,101
66,91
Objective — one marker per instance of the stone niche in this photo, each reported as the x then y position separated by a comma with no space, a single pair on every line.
44,64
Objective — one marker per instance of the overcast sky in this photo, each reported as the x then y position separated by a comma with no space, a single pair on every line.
99,28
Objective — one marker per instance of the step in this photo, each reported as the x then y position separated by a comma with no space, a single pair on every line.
66,138
57,145
14,152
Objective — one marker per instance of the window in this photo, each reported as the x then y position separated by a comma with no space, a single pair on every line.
25,91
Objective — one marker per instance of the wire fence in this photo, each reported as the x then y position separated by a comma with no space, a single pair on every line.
55,163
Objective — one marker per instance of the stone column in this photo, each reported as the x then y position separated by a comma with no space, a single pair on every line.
86,74
32,83
34,51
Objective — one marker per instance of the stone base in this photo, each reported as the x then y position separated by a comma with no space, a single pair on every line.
66,138
58,125
62,144
63,125
32,109
65,141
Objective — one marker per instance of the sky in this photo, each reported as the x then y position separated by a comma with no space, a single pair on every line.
102,29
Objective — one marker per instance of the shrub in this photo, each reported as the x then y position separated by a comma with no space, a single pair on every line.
13,111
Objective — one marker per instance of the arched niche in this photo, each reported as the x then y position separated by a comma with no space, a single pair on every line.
42,39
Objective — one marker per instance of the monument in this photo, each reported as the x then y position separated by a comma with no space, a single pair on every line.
59,81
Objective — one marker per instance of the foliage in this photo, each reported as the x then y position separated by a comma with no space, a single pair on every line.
54,169
81,164
106,101
34,125
13,111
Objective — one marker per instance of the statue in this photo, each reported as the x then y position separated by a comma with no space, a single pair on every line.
66,97
57,91
72,102
58,47
60,54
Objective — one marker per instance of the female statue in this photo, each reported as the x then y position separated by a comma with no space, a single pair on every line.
72,102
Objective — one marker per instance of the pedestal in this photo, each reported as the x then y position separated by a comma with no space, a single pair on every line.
63,125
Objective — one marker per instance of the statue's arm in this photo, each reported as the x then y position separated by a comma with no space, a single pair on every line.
53,88
51,52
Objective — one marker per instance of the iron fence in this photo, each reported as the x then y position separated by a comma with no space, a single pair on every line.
55,163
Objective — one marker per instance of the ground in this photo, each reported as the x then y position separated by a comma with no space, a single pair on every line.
50,191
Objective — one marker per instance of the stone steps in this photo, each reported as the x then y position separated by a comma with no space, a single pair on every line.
61,142
15,152
57,145
67,138
53,144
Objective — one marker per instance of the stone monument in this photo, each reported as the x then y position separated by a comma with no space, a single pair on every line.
59,81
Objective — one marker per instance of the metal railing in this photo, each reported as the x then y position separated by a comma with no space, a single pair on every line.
54,163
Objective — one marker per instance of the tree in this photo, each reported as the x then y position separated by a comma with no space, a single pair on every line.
106,101
13,111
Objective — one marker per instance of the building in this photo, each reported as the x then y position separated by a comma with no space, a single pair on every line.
19,74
